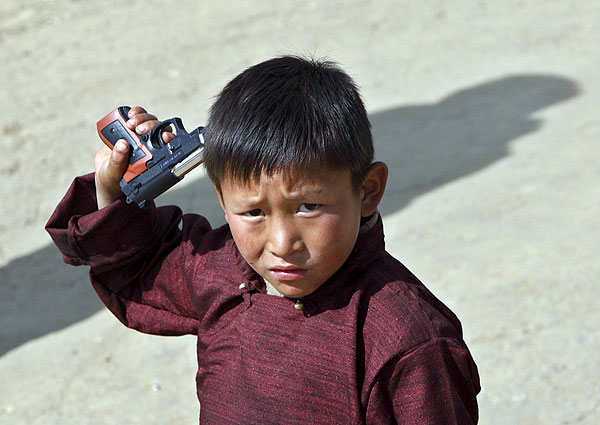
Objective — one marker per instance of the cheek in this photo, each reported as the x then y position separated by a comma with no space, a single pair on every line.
246,241
335,239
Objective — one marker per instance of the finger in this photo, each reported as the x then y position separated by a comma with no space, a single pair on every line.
136,121
135,111
102,155
119,157
116,163
168,135
146,126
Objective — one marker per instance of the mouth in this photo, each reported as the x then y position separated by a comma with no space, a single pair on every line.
288,273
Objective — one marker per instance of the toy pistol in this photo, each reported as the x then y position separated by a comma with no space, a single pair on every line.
154,166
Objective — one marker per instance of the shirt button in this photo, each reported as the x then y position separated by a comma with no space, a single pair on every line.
298,305
243,286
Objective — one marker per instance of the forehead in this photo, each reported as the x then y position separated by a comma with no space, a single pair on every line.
292,182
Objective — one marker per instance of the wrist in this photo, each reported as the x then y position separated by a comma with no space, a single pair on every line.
105,198
104,202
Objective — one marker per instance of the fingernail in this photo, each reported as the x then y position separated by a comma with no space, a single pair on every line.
131,122
121,146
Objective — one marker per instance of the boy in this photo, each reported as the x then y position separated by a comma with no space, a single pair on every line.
301,315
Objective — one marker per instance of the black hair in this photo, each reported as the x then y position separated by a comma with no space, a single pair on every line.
288,113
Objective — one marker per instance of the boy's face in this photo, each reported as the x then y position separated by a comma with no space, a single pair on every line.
296,229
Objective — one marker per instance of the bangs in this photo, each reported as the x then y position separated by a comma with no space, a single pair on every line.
287,114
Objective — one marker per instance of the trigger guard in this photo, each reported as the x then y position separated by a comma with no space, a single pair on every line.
156,139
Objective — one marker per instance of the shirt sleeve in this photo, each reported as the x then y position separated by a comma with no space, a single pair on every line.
138,257
437,383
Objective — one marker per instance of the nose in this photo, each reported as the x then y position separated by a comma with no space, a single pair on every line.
284,238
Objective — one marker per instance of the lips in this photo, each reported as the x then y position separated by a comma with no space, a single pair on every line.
287,272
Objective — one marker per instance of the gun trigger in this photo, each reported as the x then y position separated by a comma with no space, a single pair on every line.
174,145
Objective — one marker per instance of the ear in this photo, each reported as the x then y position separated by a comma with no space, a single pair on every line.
373,187
221,202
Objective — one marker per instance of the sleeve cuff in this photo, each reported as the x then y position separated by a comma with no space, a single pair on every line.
85,235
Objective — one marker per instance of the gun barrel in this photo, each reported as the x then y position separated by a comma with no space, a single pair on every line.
189,163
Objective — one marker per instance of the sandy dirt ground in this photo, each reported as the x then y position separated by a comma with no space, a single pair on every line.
486,111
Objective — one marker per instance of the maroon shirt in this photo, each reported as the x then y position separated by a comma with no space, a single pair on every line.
372,345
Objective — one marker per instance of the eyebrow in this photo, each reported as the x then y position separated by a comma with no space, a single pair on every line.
295,195
306,191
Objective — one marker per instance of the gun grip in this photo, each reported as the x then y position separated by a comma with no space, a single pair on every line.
113,127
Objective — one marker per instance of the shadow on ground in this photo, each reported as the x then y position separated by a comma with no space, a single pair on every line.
425,146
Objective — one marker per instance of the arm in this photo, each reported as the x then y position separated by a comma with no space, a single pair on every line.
139,259
136,256
437,383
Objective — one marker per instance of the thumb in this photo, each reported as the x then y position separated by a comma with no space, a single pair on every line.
118,160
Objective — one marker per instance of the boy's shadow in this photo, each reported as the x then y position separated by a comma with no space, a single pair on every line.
425,147
429,145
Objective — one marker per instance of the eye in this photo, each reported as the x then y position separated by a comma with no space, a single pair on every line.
308,207
254,213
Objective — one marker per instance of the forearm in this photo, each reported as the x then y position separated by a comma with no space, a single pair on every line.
134,255
86,236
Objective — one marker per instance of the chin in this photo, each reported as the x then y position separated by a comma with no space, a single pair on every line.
291,291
